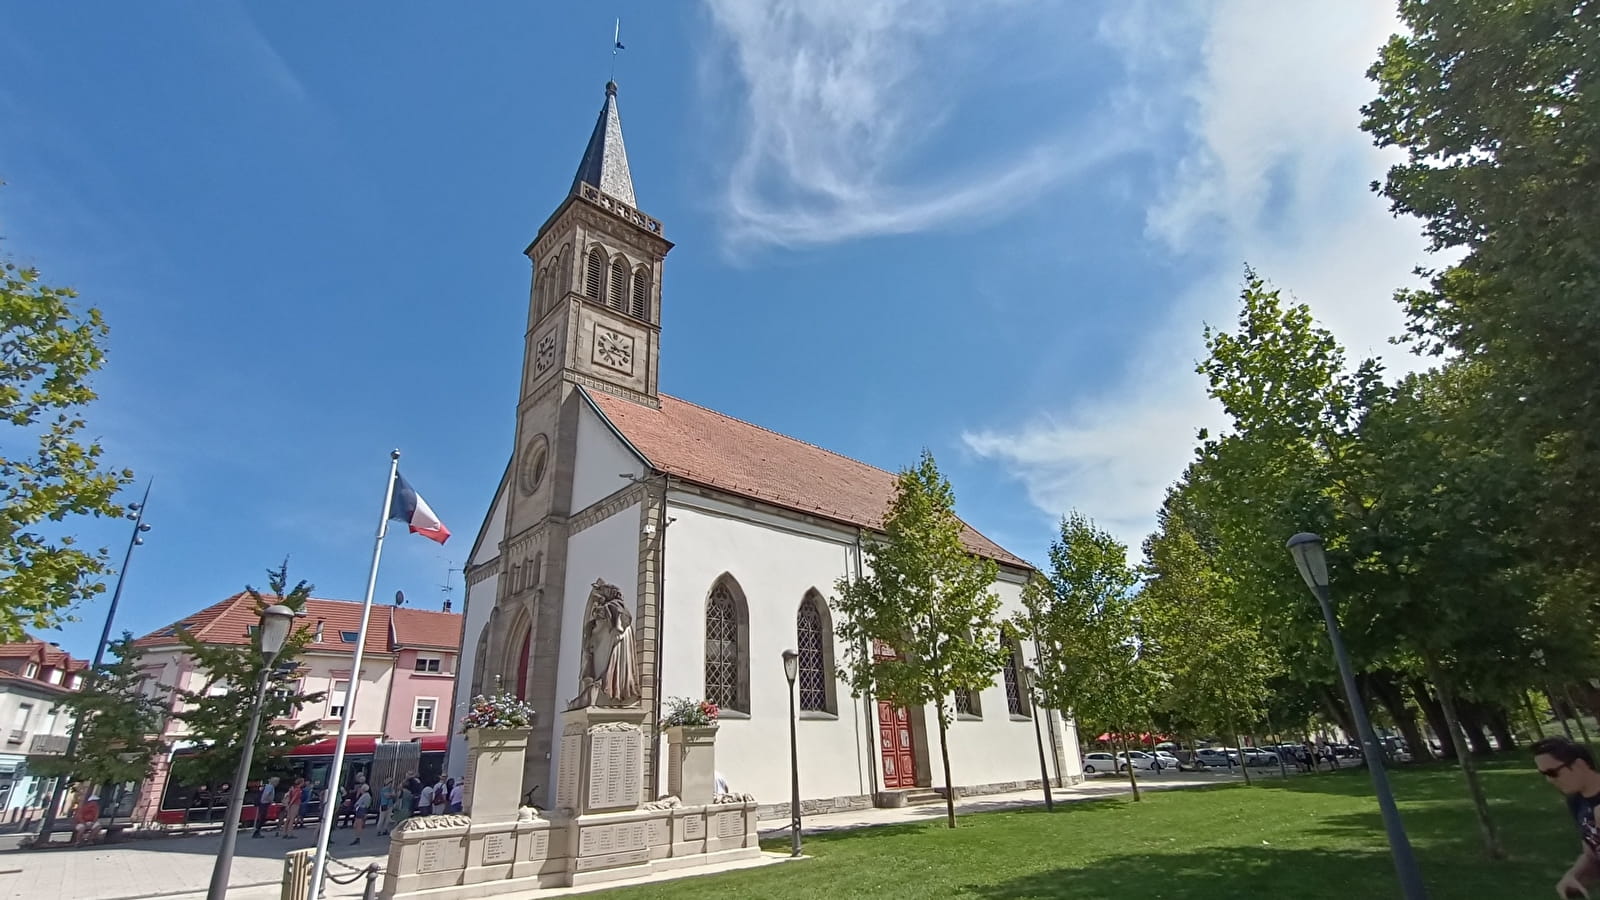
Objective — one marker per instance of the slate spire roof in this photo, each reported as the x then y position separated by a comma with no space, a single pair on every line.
605,161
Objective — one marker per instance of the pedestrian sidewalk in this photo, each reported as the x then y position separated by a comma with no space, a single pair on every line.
179,868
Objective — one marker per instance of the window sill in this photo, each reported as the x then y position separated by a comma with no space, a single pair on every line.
820,715
968,717
433,674
1019,718
732,714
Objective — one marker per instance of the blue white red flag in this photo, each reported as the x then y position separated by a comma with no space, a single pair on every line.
405,505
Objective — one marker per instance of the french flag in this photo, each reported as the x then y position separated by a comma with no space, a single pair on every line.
405,505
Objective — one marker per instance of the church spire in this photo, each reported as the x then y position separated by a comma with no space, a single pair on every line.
605,162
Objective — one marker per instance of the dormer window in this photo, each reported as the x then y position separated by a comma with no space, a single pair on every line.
349,637
32,671
53,675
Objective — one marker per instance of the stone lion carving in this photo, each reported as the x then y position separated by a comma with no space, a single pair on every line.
609,675
668,802
733,798
429,823
525,814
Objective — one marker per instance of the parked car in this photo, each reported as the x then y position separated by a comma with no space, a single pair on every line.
1216,758
1254,756
1140,760
1100,762
1168,761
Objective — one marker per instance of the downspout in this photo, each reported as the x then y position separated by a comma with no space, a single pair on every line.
868,705
661,618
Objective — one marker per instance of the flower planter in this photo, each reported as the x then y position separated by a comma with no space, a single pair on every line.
493,788
692,763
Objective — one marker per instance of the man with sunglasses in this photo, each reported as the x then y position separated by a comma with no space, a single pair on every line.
1570,769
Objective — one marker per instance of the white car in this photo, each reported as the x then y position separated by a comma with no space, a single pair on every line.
1140,760
1168,761
1100,762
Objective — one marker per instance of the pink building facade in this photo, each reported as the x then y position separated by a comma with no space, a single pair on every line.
405,687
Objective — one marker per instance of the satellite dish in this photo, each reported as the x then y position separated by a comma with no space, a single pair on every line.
399,598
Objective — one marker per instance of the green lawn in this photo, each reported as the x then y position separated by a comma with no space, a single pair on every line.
1309,837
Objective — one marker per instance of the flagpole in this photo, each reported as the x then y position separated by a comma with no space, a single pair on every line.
329,807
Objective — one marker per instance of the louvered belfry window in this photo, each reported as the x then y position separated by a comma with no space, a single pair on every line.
813,675
595,275
641,293
619,283
722,649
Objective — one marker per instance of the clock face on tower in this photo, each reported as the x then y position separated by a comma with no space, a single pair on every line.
544,355
613,349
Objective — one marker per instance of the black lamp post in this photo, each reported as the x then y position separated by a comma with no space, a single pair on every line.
1312,561
1028,675
791,670
140,526
275,622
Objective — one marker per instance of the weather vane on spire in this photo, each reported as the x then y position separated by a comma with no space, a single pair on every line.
616,44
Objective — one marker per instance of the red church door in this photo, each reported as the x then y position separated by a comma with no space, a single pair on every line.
894,737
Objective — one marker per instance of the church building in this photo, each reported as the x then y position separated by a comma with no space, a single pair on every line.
725,540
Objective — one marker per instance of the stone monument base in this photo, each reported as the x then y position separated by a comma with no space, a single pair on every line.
453,858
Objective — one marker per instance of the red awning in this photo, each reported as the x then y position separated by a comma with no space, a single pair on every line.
437,743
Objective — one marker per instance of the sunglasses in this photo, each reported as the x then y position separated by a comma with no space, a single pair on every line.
1552,773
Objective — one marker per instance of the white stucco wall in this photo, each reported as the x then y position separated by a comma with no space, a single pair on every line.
601,461
494,531
608,549
479,603
774,567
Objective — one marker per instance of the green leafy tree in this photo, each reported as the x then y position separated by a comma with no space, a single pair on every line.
119,735
1494,105
927,598
1086,614
218,712
49,472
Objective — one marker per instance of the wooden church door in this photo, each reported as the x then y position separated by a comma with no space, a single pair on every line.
894,736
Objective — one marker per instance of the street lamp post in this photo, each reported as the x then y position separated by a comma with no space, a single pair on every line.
791,669
1311,559
275,622
48,821
1028,675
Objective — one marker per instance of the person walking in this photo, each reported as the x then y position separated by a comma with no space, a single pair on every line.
458,794
360,808
1570,769
400,811
292,798
385,801
264,801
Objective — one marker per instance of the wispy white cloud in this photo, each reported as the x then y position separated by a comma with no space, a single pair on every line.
835,96
1275,172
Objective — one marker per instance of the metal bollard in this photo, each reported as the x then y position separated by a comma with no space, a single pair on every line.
371,892
297,874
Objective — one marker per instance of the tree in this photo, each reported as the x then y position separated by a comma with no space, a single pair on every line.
927,598
1216,659
119,730
1085,614
1494,105
218,713
49,349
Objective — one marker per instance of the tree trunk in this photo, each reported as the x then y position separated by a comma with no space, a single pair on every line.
1122,741
1558,710
1277,748
1393,697
1469,769
944,754
1533,716
1337,710
1577,716
1500,726
1243,765
1471,721
1435,716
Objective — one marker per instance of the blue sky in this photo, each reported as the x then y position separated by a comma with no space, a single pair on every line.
991,228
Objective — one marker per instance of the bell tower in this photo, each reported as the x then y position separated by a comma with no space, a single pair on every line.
594,313
594,320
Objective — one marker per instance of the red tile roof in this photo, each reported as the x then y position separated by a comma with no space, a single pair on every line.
708,448
46,655
228,621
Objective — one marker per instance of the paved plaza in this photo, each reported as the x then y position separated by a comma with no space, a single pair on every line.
179,868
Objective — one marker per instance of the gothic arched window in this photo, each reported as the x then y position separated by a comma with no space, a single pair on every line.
594,278
814,638
727,647
619,283
541,294
1016,690
641,293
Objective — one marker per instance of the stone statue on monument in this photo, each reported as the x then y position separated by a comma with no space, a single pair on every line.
609,676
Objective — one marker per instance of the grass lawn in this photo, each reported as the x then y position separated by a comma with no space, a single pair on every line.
1308,837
